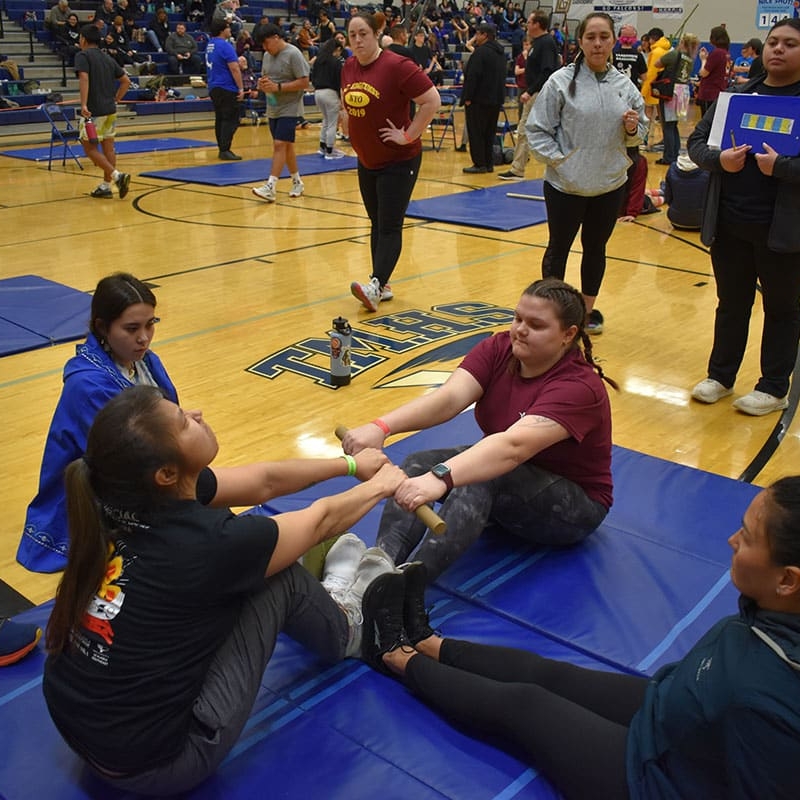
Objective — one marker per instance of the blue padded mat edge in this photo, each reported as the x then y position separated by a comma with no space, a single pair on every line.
341,731
123,147
35,312
485,208
231,173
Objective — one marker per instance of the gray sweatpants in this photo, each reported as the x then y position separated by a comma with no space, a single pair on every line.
293,601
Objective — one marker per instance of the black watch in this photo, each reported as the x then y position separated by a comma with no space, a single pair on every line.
442,472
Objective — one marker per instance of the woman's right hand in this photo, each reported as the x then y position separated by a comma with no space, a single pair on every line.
388,478
356,439
368,462
732,159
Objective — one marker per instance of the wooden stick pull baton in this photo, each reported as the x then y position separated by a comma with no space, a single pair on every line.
424,513
525,196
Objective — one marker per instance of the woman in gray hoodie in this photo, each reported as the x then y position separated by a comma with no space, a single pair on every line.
582,122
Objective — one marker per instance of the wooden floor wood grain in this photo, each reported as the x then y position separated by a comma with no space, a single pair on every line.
240,283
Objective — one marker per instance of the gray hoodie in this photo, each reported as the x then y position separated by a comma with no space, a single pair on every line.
581,138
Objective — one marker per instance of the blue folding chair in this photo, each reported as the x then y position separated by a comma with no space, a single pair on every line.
62,132
445,118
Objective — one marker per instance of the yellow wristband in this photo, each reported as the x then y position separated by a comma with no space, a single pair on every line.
351,465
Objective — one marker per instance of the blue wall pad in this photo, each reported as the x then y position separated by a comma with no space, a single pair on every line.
636,594
231,173
485,208
35,312
123,147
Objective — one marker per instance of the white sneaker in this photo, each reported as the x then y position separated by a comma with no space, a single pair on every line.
265,192
334,154
341,564
374,562
297,188
759,403
368,293
709,391
386,292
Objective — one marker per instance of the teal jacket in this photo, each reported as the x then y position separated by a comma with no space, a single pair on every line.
724,722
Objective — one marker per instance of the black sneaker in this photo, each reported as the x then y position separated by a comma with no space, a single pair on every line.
594,322
382,608
510,176
123,182
103,192
415,615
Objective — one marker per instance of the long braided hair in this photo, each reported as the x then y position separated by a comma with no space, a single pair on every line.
570,310
579,58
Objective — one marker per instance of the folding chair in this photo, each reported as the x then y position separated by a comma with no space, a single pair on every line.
445,118
505,128
62,131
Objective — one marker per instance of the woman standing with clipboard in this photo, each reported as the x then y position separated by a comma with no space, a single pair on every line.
750,224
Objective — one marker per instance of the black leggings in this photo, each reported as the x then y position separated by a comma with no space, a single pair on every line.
386,193
571,722
596,217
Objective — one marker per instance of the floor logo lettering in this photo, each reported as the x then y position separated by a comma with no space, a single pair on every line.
379,338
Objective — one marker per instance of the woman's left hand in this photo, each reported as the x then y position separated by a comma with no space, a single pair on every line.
766,160
393,134
414,492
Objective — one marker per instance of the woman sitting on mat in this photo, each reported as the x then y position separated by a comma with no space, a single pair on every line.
542,470
170,605
116,354
723,722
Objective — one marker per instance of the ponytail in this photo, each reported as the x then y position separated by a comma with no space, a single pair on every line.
88,555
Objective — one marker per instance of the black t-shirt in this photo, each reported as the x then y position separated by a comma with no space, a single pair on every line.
631,62
749,196
175,582
103,74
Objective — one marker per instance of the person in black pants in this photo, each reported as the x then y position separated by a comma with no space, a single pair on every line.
225,87
483,96
721,722
750,225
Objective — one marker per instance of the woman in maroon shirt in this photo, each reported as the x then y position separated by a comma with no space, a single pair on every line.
377,87
713,68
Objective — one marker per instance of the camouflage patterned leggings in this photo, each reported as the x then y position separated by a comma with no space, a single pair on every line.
528,502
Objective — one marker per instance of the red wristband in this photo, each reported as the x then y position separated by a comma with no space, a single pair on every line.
407,137
382,425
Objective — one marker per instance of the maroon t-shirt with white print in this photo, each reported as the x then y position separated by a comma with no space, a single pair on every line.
374,93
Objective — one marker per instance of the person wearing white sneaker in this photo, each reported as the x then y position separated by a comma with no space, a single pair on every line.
750,225
326,76
756,403
709,391
198,592
284,79
102,84
377,89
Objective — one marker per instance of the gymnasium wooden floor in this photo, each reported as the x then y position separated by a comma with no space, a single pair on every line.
239,281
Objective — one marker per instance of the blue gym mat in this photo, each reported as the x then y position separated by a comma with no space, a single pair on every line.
35,312
230,173
638,593
485,208
123,147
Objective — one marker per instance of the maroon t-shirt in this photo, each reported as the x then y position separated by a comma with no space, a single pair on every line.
379,91
717,79
570,393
